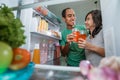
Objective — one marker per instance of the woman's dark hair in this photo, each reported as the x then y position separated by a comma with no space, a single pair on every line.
97,19
64,12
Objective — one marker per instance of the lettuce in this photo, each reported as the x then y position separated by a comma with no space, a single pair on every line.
11,28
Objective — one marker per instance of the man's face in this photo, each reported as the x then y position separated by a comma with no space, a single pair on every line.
70,17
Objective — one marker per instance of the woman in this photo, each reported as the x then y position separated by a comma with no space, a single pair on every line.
94,44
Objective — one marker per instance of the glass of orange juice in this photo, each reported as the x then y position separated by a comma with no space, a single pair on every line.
83,34
76,34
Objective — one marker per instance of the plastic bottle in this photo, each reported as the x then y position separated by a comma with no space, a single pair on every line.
49,51
43,52
53,50
36,54
57,53
57,50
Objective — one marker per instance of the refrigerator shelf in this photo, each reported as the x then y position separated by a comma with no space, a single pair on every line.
43,35
50,72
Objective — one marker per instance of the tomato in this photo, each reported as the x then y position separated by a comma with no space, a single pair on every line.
21,59
6,56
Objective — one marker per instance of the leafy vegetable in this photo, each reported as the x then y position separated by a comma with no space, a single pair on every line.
11,30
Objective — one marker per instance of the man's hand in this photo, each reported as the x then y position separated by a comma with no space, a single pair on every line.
70,38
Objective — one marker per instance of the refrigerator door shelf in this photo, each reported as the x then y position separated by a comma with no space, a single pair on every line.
50,72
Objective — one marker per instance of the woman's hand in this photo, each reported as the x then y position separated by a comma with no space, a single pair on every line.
86,45
83,43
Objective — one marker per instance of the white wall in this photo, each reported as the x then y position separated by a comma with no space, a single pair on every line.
111,25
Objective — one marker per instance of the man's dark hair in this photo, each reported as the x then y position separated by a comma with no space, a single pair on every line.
64,12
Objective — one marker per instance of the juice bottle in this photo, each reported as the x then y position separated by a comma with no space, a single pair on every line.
36,54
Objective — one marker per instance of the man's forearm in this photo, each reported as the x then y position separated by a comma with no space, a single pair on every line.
65,49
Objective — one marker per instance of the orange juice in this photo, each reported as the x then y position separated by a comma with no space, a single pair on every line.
76,36
36,54
83,36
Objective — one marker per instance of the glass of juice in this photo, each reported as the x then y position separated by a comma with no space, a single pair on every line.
83,34
76,34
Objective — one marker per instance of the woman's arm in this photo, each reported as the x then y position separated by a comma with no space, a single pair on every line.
84,44
96,49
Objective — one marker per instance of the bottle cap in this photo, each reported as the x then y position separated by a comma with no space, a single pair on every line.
57,44
36,46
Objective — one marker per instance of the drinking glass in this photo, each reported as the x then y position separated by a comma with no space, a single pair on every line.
76,34
79,33
83,34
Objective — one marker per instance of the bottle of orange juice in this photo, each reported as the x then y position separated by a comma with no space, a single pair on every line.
36,54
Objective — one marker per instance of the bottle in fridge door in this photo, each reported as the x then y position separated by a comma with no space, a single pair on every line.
51,49
36,54
44,51
57,50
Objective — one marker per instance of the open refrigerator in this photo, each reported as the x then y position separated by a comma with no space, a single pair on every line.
25,10
52,72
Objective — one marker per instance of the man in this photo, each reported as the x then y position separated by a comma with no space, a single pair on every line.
68,48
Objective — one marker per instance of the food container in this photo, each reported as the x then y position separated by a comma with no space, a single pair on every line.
23,74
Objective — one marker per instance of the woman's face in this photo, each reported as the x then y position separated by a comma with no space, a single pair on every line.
89,22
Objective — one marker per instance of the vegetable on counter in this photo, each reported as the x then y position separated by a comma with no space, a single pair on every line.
21,58
11,30
6,55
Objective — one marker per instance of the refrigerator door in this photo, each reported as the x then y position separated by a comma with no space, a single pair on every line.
111,26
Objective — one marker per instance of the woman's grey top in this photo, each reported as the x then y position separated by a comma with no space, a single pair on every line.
93,57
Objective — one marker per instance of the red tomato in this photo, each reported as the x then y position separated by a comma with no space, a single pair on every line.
21,58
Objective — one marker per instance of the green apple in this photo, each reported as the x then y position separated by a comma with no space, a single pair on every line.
6,55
